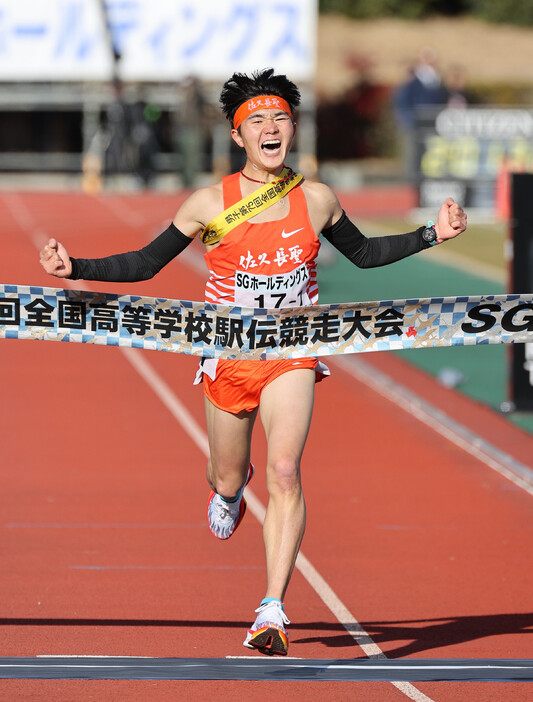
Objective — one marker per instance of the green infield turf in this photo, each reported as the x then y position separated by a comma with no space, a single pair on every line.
474,264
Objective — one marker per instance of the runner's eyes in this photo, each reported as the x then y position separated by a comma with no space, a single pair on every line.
261,120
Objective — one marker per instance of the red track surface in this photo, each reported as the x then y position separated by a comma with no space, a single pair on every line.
105,547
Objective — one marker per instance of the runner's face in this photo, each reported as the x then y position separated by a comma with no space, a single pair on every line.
266,136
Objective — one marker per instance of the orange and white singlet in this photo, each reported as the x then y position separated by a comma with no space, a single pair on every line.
268,265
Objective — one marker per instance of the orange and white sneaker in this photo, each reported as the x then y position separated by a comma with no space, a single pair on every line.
224,517
268,634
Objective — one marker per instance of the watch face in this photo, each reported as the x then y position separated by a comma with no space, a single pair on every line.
429,234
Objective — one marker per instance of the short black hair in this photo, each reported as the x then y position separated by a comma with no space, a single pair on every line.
241,87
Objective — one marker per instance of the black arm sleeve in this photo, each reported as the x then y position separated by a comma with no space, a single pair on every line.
133,265
367,252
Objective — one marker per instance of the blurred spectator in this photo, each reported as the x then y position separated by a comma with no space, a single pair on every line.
192,129
117,128
455,81
144,117
347,125
424,87
127,137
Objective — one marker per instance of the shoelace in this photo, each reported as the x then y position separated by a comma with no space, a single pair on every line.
278,609
225,510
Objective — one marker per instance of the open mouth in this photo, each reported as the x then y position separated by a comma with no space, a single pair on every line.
271,145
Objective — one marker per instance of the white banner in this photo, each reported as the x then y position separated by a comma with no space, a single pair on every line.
158,40
216,331
57,40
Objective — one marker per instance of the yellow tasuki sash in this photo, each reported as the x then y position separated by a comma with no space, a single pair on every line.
249,206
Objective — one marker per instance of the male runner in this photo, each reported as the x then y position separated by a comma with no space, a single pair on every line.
279,245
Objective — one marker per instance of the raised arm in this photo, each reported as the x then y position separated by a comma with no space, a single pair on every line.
377,251
141,264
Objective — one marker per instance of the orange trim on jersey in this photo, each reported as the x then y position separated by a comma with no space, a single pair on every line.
262,102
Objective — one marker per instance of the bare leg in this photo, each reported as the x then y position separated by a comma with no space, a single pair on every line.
286,408
229,446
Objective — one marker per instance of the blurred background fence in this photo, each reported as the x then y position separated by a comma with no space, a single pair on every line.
424,92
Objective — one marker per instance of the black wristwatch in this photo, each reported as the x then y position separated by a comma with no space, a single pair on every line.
429,234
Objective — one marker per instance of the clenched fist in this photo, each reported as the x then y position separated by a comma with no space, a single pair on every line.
451,220
55,259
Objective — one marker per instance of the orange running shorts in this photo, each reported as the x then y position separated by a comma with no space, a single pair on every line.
238,384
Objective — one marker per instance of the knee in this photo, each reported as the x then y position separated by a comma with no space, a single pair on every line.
284,475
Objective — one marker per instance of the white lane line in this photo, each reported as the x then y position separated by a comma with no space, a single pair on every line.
121,211
255,658
25,220
176,408
198,435
309,572
205,662
503,463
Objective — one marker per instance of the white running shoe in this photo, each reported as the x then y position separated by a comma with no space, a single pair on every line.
268,634
224,517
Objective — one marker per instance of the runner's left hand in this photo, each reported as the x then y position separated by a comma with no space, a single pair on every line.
451,220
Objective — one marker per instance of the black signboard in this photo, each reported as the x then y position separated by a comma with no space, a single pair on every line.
522,281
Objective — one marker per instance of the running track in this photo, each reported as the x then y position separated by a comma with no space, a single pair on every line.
414,541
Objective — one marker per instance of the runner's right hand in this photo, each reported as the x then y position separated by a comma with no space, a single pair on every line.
55,259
